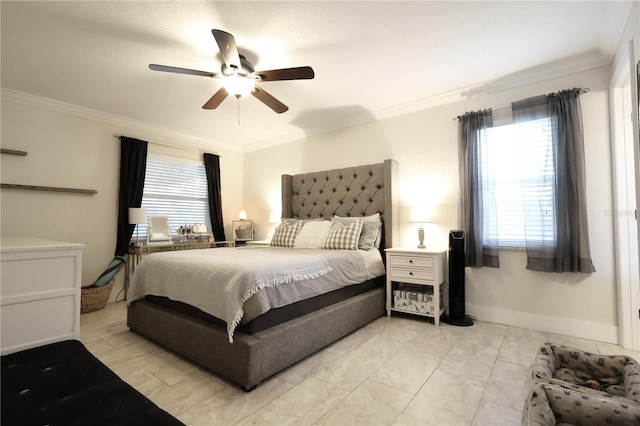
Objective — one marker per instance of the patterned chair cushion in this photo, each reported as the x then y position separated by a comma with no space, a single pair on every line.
548,405
603,375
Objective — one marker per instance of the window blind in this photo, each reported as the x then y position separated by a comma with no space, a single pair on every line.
177,189
518,177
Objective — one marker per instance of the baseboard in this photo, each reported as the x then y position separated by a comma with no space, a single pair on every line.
549,324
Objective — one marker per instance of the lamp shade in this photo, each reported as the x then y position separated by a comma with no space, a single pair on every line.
238,85
421,214
242,215
137,215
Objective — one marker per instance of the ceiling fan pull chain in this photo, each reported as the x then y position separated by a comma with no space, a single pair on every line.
238,103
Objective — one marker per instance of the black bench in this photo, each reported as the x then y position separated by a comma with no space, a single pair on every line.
64,384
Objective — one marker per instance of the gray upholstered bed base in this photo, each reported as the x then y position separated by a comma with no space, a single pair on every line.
353,191
251,359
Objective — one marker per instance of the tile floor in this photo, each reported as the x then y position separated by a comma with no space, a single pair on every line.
398,371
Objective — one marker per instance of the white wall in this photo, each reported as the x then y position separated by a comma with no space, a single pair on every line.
425,145
68,150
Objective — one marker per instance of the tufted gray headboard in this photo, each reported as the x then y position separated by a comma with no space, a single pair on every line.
352,191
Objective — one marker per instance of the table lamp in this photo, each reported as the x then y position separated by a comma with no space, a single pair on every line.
137,216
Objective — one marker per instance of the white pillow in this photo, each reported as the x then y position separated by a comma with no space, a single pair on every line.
313,234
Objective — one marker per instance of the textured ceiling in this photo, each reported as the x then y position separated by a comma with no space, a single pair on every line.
370,58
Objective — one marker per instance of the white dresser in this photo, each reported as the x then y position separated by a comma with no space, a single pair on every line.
39,292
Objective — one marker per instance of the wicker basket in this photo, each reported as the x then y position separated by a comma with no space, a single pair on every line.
94,298
243,233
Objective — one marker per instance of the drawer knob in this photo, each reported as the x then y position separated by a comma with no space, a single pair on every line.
410,260
410,273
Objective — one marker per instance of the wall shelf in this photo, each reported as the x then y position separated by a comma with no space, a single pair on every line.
13,152
47,188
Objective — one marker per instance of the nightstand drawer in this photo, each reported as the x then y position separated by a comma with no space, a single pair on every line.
419,261
403,274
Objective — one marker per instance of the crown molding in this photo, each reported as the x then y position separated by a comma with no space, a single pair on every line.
571,65
612,32
163,133
420,104
574,64
544,72
279,140
362,118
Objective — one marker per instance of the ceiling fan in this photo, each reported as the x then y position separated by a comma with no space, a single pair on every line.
238,76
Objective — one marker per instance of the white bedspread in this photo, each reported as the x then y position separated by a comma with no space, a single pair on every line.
219,281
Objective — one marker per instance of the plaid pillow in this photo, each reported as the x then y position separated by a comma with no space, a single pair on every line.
370,234
344,236
285,234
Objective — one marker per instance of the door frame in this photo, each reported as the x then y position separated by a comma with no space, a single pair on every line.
626,199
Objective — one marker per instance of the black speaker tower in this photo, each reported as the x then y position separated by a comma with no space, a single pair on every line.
456,282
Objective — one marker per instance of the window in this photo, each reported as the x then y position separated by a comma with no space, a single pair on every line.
520,161
177,189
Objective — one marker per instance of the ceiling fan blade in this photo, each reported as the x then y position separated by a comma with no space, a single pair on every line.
227,44
216,99
297,73
269,100
166,68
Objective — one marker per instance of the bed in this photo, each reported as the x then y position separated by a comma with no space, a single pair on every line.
271,341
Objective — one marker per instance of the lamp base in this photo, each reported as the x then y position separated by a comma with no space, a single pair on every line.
421,237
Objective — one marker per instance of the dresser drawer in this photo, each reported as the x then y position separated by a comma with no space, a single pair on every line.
407,260
40,295
408,274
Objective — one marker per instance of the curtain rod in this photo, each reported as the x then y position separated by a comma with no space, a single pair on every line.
186,148
582,91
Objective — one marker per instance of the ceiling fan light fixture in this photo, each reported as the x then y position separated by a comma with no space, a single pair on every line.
238,85
238,76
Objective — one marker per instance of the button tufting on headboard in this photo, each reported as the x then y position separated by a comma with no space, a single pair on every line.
352,191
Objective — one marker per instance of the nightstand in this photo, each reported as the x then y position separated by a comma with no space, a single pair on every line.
415,282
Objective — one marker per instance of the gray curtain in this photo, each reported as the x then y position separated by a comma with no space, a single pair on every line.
569,251
480,249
